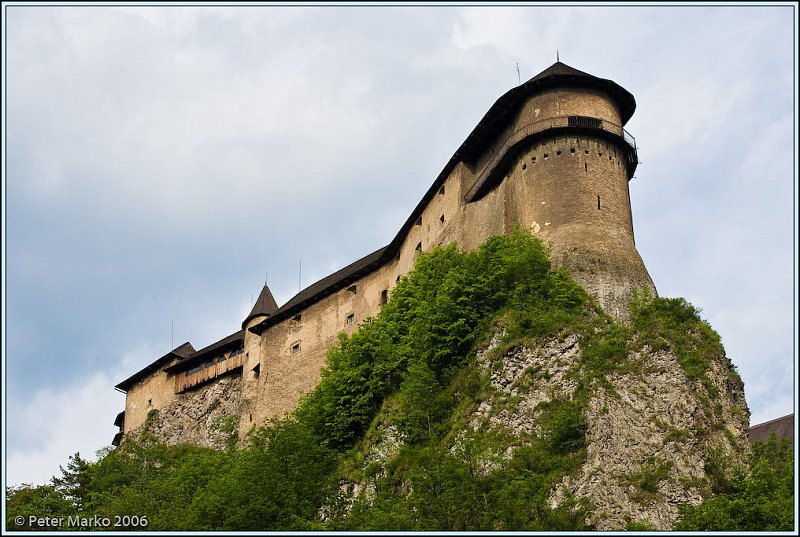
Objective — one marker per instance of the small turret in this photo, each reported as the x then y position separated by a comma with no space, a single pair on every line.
264,307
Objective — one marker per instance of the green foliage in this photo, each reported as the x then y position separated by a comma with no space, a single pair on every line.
674,323
434,319
435,488
411,368
38,501
227,425
423,404
760,500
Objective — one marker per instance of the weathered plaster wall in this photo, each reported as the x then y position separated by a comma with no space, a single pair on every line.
153,392
573,192
552,187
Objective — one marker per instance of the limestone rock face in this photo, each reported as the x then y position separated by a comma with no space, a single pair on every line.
206,416
651,429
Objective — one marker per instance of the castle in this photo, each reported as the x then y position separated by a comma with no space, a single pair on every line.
550,155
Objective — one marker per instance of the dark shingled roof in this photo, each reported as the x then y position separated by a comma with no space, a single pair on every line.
119,421
324,287
265,305
482,136
178,353
235,340
782,427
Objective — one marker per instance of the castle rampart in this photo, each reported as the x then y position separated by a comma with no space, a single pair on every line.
551,155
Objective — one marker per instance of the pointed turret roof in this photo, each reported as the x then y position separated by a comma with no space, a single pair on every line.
265,305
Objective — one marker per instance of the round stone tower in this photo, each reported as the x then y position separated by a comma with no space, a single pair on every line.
566,160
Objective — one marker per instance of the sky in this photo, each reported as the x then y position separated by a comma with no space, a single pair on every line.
162,162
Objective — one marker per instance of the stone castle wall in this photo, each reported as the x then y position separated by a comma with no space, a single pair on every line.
571,190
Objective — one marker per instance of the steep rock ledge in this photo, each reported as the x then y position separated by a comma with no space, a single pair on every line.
206,416
651,429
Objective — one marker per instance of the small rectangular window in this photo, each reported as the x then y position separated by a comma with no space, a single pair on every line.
209,363
351,318
419,221
441,219
295,347
384,296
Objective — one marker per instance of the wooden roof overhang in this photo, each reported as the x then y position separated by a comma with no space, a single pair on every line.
231,342
179,353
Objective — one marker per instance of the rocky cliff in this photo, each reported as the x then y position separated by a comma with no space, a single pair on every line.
206,416
654,434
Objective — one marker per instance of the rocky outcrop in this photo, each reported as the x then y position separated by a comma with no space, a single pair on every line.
206,416
651,429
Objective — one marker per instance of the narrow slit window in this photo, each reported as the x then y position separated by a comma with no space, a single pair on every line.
598,202
441,219
419,221
384,296
586,166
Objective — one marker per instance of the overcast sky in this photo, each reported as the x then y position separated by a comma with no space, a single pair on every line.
160,161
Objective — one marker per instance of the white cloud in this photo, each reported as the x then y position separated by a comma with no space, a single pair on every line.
52,425
160,160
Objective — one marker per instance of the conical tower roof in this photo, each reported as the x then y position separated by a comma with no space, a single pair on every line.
561,74
265,305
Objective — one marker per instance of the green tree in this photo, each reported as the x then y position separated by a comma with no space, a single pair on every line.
762,501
